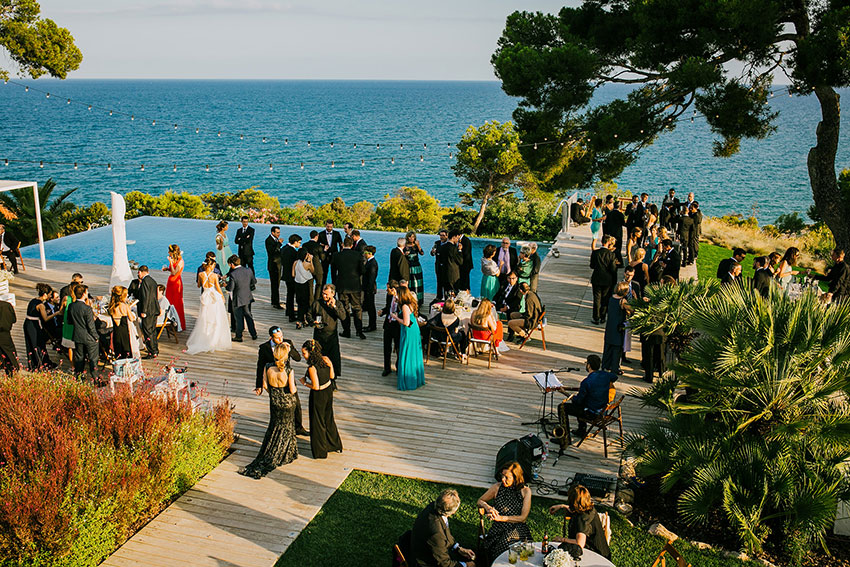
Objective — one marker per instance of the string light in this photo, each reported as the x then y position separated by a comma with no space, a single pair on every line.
362,162
41,164
108,167
208,168
27,89
238,167
219,134
355,145
379,146
175,168
154,123
332,144
47,96
401,146
197,130
421,157
302,165
143,167
89,108
69,101
308,143
392,161
270,167
75,165
286,141
333,165
110,114
264,139
241,137
175,127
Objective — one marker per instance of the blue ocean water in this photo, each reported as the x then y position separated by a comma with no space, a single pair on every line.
149,237
769,175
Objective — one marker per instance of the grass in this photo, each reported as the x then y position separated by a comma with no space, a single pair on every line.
709,258
360,522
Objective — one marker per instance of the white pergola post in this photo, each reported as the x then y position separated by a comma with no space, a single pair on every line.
6,185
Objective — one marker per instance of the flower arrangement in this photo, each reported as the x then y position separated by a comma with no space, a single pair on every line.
6,276
558,558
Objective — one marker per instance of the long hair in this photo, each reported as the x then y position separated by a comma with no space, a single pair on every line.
516,470
407,297
174,252
791,256
220,225
281,355
117,297
579,499
482,312
489,251
43,289
314,354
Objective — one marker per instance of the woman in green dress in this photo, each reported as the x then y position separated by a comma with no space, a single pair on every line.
489,273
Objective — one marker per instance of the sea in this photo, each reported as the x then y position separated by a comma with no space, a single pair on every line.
358,140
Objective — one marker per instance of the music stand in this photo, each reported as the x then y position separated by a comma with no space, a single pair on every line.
548,383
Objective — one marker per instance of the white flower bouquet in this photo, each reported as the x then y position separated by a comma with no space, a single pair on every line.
558,558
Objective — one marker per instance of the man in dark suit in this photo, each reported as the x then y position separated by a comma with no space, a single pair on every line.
762,276
507,299
331,242
399,267
240,283
738,255
634,215
454,263
265,356
273,244
507,259
431,540
686,227
464,245
9,248
317,252
148,309
615,221
696,232
392,331
348,265
603,262
672,261
245,241
326,313
525,321
86,347
77,278
287,259
8,353
370,286
838,277
535,267
732,275
437,251
359,243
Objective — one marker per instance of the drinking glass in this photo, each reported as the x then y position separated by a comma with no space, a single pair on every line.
512,556
523,552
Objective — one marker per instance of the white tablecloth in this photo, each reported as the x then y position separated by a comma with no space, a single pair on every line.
588,559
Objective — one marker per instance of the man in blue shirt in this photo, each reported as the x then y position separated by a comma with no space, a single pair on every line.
592,396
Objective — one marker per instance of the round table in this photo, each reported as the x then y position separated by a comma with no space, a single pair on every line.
588,559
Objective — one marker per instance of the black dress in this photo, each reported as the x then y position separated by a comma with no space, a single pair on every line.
121,339
326,334
588,523
324,437
279,445
36,339
508,502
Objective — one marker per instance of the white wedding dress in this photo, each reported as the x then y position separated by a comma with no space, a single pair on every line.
212,328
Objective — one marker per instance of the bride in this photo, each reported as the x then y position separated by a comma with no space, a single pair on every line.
212,328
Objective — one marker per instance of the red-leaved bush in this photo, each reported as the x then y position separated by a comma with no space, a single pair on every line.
79,468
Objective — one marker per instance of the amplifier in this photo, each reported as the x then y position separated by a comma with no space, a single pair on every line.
598,486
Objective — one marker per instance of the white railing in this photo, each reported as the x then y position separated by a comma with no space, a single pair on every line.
564,207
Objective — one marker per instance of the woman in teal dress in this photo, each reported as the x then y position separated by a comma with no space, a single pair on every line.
411,367
596,217
524,270
222,246
489,273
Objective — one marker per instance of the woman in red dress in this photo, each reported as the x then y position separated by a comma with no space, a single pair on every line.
174,286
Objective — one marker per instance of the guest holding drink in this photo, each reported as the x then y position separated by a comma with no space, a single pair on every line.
412,250
324,436
785,271
411,368
222,244
325,315
596,218
585,527
174,285
489,273
34,332
279,445
122,317
507,503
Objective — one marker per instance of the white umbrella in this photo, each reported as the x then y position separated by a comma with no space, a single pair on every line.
121,274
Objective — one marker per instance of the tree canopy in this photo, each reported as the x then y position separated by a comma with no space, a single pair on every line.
714,57
35,44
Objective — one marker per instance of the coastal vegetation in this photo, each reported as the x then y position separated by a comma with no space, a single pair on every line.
755,415
36,45
81,470
709,60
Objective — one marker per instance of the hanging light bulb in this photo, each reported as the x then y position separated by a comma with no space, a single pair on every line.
154,123
271,167
197,130
362,162
6,162
241,137
333,165
332,144
264,139
47,96
535,145
208,167
143,167
302,165
175,168
286,141
379,146
75,165
425,146
89,107
219,133
615,135
110,114
451,155
448,144
108,167
27,89
41,164
239,167
401,146
355,146
69,101
392,161
308,143
175,126
421,157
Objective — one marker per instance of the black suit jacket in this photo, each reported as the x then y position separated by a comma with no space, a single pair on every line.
10,240
265,355
603,262
370,276
510,299
240,282
318,252
82,318
273,253
454,262
360,245
245,240
399,267
330,318
672,264
763,281
838,277
431,540
148,303
386,311
334,245
467,254
349,267
288,255
614,222
723,267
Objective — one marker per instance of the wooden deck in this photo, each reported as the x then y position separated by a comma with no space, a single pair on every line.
450,430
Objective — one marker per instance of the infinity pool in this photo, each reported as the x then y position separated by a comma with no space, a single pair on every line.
152,235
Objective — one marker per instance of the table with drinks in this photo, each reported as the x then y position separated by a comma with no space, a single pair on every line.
525,554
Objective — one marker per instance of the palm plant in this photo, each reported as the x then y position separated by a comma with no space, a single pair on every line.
762,435
21,203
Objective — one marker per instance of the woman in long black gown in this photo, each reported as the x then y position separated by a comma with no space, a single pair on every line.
34,333
324,436
122,316
279,445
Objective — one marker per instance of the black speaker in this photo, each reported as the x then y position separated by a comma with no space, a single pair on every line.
526,451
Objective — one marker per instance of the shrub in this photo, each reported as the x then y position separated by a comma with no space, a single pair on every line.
86,218
411,208
226,205
528,217
169,204
758,442
301,214
791,223
80,469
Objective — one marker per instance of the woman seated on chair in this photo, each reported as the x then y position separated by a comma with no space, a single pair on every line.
511,502
484,317
448,320
585,527
523,323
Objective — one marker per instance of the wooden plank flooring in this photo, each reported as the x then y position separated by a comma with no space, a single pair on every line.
450,430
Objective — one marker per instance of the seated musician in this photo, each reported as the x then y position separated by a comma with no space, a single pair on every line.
592,397
507,299
525,321
578,212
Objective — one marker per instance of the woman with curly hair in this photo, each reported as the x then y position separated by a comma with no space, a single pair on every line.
324,436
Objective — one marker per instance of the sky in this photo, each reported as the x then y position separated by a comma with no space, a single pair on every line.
281,39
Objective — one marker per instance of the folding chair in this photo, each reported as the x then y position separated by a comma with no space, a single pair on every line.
489,342
20,258
444,340
538,326
601,423
674,555
170,328
401,547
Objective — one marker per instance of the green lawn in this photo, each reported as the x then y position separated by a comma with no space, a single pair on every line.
360,522
710,256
